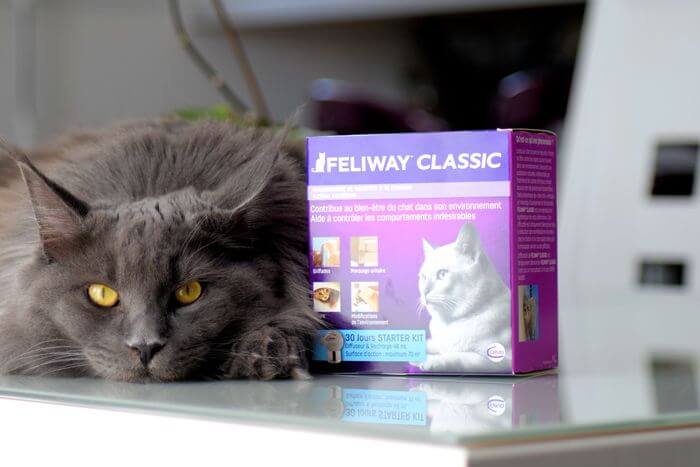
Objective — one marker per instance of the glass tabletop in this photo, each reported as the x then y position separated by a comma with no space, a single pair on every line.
445,410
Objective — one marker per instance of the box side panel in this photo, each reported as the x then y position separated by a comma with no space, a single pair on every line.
534,251
512,284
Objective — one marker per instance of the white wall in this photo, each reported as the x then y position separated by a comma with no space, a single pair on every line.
101,60
637,83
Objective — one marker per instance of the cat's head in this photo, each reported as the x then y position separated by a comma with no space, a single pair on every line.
529,305
159,288
449,275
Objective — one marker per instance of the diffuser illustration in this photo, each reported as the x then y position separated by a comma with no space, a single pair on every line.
333,341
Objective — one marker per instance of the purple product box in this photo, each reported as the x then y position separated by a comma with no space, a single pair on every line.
434,253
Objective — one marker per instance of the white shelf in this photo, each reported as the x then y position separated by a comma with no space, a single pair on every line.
251,14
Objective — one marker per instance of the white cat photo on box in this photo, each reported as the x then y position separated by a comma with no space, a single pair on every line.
469,306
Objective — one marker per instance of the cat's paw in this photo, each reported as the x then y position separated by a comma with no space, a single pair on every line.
433,352
265,354
431,363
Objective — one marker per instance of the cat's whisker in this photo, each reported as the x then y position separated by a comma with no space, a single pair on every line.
53,362
32,352
194,253
48,341
56,351
57,358
196,229
43,356
65,368
420,308
52,349
49,350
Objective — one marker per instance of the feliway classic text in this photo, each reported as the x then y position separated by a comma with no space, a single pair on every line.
435,252
398,163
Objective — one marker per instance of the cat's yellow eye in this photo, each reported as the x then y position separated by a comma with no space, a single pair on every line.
188,293
103,296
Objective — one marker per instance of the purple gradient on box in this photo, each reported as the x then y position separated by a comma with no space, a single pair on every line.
400,243
397,255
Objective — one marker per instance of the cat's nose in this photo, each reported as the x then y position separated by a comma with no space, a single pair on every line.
147,350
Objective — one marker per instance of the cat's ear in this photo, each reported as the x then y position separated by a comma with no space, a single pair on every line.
59,214
232,196
468,240
427,248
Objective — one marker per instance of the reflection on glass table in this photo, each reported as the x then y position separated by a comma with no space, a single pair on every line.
450,410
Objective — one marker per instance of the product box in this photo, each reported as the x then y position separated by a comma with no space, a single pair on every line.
434,252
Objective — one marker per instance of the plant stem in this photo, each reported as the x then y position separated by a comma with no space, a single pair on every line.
243,61
237,106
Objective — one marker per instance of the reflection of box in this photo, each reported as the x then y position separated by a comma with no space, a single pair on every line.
448,226
444,404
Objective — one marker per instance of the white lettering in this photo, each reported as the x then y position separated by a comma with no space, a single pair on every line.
399,163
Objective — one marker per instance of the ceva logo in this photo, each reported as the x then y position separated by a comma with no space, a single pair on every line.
496,352
496,405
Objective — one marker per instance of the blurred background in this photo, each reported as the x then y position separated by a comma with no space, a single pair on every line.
616,79
369,66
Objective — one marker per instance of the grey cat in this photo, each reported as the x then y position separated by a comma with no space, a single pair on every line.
156,251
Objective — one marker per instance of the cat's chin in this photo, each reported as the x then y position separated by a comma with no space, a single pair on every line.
436,311
141,375
444,316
